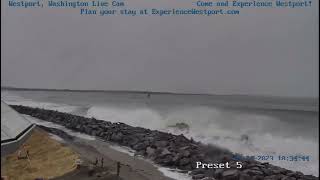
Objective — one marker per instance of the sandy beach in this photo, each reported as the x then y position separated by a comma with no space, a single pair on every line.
132,168
53,155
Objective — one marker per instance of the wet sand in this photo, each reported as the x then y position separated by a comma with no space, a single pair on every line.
133,168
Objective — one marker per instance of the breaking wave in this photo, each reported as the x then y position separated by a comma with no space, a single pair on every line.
13,99
57,126
245,133
248,134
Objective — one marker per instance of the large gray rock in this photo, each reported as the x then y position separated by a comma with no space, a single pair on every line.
165,152
176,158
184,161
218,173
117,137
266,172
150,151
258,177
167,160
244,176
161,144
272,177
230,174
198,176
253,172
186,153
139,146
288,178
198,171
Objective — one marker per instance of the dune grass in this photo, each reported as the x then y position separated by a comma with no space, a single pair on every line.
48,159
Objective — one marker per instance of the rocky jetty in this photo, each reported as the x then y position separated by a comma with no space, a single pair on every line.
168,150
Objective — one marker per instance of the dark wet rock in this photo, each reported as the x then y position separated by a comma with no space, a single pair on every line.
243,176
184,161
198,171
93,133
258,177
230,174
116,137
165,152
292,174
186,167
174,151
139,146
267,172
218,173
87,130
198,176
288,178
161,143
255,168
272,177
186,153
252,172
209,172
176,158
150,151
309,177
78,127
167,160
280,176
279,170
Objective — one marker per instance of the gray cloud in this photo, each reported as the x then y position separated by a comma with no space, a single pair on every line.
270,52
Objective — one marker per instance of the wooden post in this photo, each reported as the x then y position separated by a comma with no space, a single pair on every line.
118,169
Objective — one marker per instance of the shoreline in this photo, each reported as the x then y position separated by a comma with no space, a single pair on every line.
131,168
165,149
154,92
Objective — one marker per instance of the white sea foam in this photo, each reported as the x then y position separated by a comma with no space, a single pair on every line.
125,150
212,126
267,135
13,99
57,138
174,174
171,173
54,125
139,117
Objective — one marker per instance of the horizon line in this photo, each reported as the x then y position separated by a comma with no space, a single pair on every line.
152,92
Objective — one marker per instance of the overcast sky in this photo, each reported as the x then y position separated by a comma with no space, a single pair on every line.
268,52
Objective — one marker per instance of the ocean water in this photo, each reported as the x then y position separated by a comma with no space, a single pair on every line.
271,126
